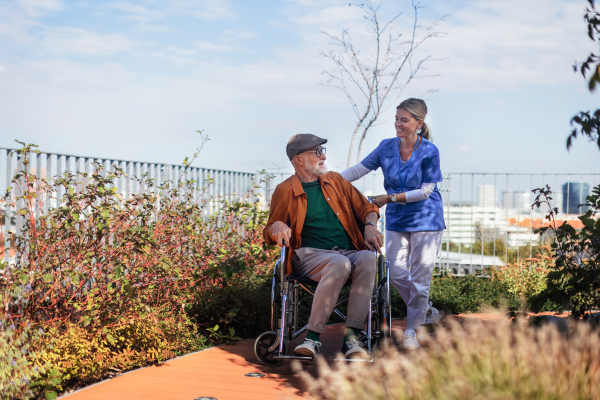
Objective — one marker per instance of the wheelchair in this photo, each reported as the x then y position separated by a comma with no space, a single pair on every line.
271,347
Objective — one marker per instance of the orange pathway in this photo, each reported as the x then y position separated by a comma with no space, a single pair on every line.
219,373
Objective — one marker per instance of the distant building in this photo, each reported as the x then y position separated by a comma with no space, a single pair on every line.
518,201
465,263
574,194
461,221
486,196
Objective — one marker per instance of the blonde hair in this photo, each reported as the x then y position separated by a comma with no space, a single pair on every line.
418,109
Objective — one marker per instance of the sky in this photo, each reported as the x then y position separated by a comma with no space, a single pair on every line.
135,80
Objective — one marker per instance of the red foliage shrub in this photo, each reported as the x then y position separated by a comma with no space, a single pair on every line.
102,263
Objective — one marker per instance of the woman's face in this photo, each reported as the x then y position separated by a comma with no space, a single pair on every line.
406,125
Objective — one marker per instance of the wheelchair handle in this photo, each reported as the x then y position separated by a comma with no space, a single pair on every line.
282,266
283,252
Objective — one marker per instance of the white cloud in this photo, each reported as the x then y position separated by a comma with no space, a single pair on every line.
76,40
239,34
138,13
181,51
229,41
492,44
38,8
205,9
212,46
336,16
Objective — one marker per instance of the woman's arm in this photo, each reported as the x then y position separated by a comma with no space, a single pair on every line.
421,193
355,173
409,197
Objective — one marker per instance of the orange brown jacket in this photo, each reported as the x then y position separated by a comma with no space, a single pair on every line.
288,205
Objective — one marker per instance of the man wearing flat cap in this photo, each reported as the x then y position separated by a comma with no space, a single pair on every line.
317,213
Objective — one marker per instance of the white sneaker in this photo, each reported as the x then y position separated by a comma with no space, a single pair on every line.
410,339
356,350
433,316
308,349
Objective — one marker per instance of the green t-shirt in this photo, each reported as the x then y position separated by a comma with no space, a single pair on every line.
322,229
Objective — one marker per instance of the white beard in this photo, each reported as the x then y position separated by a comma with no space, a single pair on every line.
316,169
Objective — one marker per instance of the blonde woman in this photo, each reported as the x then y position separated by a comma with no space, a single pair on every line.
414,216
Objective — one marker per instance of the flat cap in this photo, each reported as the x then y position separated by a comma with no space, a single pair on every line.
301,142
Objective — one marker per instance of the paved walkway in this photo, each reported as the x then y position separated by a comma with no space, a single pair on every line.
219,373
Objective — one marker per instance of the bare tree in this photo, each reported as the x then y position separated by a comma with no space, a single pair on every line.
374,81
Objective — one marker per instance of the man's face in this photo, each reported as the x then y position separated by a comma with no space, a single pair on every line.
313,164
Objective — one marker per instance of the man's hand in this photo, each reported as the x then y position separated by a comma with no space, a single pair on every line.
381,200
280,232
373,238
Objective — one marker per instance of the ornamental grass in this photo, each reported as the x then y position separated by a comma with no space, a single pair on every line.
480,360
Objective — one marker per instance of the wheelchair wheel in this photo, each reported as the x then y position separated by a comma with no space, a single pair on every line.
261,348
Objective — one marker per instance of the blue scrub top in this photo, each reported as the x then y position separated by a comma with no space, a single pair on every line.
424,215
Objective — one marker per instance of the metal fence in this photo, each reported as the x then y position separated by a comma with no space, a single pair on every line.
489,220
49,166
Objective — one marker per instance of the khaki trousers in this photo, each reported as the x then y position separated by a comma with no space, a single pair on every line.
331,268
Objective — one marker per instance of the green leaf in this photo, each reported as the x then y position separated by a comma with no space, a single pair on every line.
127,288
75,216
231,331
23,278
86,320
105,213
48,278
71,191
51,395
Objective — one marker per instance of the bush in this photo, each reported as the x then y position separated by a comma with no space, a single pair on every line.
459,294
16,373
574,278
477,361
110,279
243,305
81,356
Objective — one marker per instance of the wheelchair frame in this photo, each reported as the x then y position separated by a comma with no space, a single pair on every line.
271,347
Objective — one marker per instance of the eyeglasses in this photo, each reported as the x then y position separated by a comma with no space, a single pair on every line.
318,152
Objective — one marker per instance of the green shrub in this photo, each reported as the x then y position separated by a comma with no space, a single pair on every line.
459,294
81,356
574,279
16,372
243,305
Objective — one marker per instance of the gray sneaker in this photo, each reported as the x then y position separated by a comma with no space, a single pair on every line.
356,350
308,349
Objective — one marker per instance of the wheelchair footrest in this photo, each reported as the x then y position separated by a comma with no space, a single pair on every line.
278,357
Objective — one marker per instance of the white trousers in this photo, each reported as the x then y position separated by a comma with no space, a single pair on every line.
412,256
